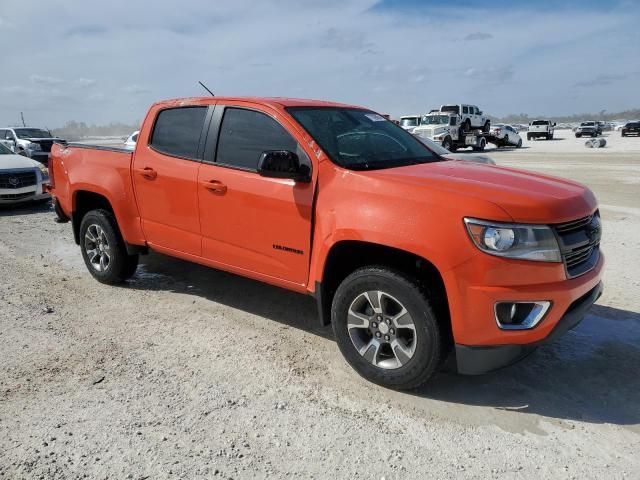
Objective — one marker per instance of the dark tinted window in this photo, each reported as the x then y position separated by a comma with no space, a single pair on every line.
245,134
465,110
177,131
540,122
360,139
134,138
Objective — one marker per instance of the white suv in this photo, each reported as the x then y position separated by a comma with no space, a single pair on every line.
470,115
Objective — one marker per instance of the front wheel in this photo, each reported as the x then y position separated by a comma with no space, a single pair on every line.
446,143
103,248
519,145
386,329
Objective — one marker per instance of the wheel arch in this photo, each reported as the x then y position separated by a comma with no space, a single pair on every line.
345,256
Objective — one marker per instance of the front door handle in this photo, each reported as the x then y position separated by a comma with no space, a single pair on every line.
149,173
215,186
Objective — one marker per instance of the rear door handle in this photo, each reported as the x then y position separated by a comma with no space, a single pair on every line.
215,186
149,173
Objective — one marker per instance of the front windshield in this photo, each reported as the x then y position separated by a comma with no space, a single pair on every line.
436,120
4,150
587,124
32,133
409,122
361,139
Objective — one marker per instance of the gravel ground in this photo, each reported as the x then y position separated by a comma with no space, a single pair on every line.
187,372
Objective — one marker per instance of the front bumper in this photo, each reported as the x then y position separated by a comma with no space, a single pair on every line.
39,156
476,360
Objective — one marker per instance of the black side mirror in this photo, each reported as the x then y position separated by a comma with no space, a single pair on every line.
554,124
283,164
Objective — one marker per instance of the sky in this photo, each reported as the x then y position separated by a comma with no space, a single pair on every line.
107,61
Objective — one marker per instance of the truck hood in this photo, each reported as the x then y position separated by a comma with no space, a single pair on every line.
38,140
525,196
10,162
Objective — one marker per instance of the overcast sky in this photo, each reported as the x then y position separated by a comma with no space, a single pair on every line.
106,61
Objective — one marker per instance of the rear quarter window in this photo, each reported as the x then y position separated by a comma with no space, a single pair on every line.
177,131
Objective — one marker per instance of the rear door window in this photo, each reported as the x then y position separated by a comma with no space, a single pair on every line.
177,131
246,134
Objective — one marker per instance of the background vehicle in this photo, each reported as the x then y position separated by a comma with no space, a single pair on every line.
446,129
401,247
32,142
131,140
470,116
21,178
505,135
591,129
631,128
409,122
540,129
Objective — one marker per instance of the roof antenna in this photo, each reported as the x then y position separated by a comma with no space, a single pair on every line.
205,87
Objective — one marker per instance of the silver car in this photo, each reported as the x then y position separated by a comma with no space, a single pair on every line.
505,135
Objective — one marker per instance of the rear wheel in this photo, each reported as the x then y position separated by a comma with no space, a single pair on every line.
103,248
519,143
486,127
466,125
386,329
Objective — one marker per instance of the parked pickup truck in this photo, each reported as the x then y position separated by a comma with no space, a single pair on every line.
541,129
411,257
34,143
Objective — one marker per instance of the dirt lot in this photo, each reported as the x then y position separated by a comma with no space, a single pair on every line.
187,372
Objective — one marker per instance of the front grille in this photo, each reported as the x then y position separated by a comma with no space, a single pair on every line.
46,145
16,196
579,242
18,179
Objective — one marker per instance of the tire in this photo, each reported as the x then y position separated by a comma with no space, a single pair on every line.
103,248
578,135
550,136
466,125
594,135
519,145
486,127
446,143
419,350
480,148
529,137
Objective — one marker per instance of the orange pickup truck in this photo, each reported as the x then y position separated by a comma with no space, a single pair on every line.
412,257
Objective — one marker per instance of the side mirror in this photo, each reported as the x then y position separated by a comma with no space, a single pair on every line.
554,124
283,164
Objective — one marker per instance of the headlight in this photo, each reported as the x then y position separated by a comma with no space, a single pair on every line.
524,242
44,170
34,146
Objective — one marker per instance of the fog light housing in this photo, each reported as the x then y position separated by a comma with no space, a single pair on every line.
520,315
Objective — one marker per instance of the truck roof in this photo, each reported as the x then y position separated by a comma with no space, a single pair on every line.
272,101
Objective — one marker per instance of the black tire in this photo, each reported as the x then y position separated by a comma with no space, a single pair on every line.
121,265
623,135
466,125
486,127
550,136
578,135
519,145
428,352
529,137
446,143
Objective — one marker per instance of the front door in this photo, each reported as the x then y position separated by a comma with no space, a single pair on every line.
251,224
165,175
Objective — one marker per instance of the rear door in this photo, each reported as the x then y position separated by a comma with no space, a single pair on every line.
165,176
253,225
